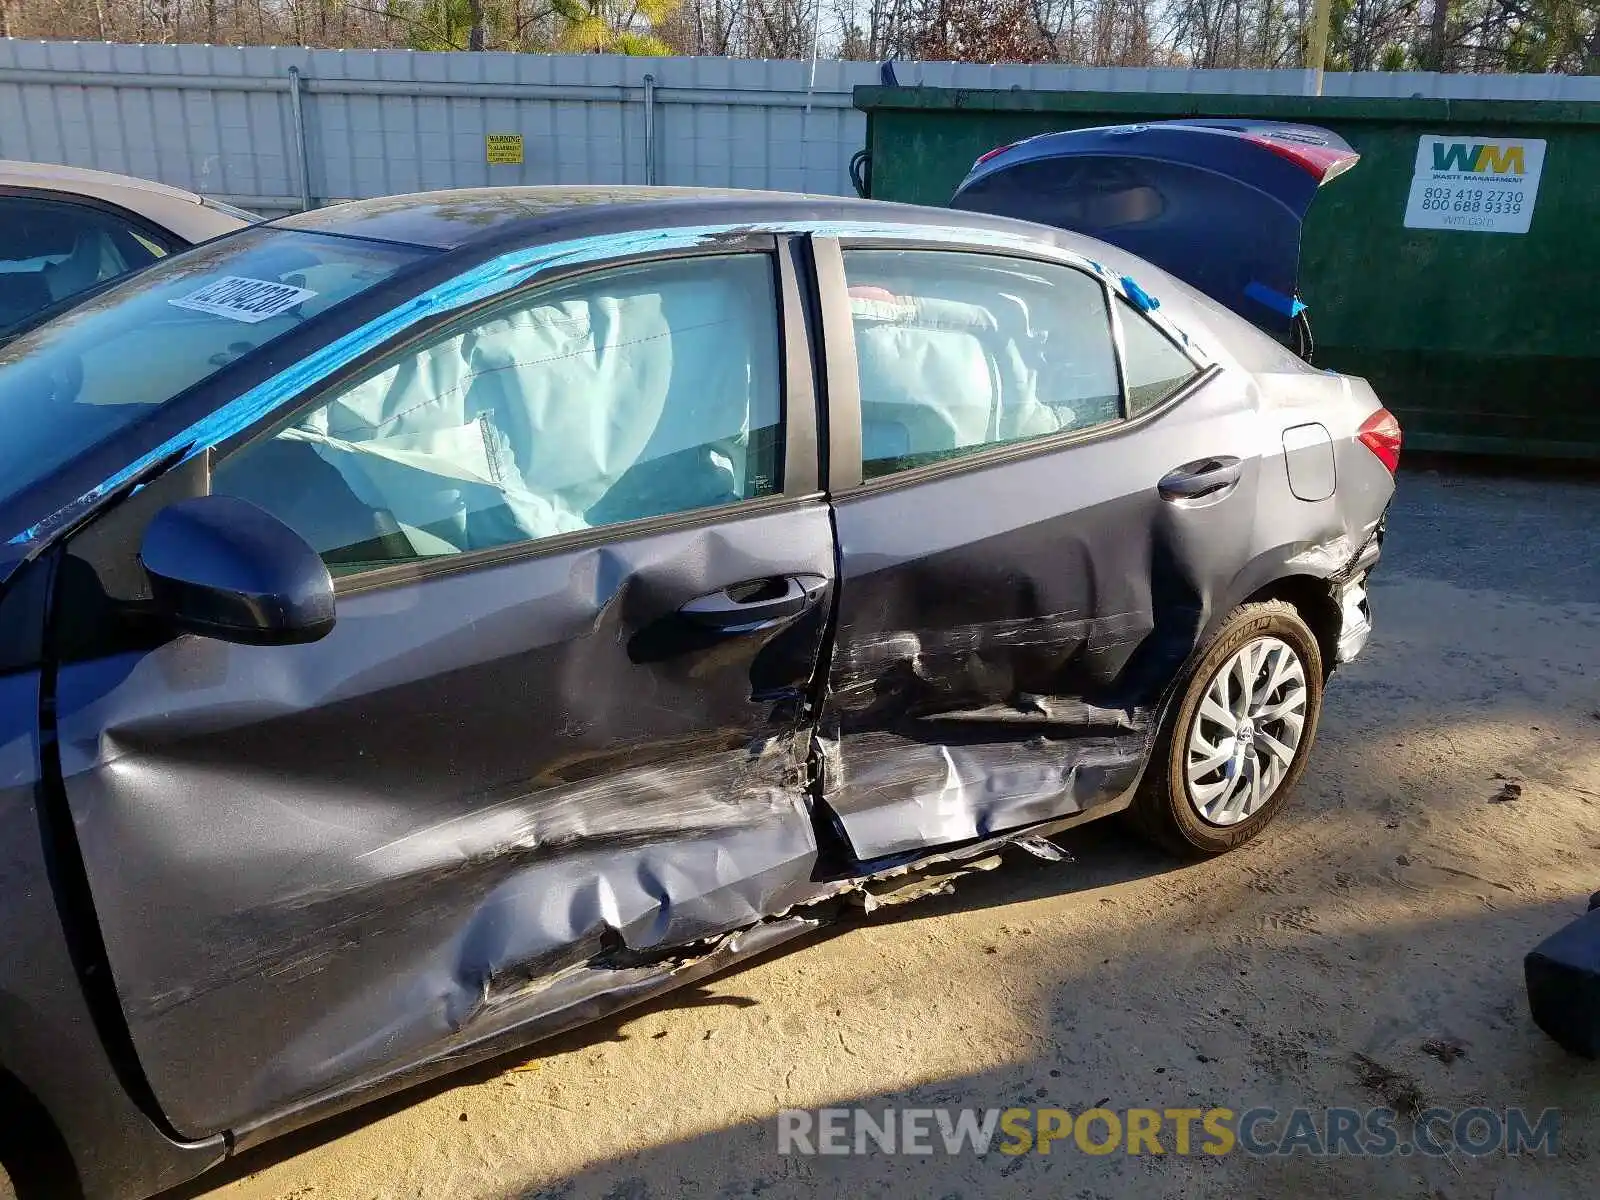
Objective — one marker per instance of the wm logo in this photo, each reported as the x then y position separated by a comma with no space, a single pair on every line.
1465,157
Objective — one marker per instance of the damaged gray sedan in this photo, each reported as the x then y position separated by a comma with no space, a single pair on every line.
433,622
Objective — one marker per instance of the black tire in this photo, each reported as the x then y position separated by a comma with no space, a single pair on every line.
1162,810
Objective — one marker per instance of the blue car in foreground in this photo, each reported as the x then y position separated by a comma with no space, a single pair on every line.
433,622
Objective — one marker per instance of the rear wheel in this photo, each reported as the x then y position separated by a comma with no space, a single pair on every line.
1238,740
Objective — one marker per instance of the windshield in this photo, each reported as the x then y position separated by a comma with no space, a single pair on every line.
71,384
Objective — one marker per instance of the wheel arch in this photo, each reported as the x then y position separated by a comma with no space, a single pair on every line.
1305,578
1312,598
1168,821
1267,578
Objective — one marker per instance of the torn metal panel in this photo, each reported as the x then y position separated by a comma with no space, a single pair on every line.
1007,636
1045,713
1042,847
617,977
1324,559
892,794
453,816
1355,616
904,887
548,936
935,874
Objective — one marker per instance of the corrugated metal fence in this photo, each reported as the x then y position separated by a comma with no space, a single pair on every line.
221,120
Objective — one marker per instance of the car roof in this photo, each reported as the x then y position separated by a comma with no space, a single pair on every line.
477,223
60,177
184,213
479,217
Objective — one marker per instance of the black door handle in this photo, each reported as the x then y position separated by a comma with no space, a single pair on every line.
756,603
1206,477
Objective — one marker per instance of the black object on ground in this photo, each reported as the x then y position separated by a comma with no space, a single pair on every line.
1563,974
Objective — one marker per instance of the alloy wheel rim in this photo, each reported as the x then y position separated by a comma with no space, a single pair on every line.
1246,733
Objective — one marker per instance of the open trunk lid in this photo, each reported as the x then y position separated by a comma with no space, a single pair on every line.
1218,203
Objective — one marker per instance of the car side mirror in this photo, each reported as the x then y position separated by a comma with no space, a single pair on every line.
222,568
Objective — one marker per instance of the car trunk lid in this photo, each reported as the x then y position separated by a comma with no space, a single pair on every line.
1218,203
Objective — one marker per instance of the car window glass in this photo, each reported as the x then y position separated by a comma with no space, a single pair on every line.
958,352
626,394
92,374
50,251
1155,367
149,245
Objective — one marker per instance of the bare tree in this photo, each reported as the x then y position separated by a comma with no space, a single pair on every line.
1447,35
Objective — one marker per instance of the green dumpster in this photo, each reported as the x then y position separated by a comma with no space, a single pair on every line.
1482,340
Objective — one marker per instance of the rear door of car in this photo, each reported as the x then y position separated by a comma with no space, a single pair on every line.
584,567
1037,494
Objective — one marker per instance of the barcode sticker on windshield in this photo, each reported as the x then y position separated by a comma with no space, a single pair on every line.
242,299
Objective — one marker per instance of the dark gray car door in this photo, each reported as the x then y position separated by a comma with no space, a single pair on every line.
529,759
1028,539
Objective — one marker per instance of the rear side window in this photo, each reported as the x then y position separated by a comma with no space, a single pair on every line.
1155,367
50,251
958,352
629,393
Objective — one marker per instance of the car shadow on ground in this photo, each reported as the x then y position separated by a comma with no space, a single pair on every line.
1484,1053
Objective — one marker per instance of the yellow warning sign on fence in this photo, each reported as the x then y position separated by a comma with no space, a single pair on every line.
504,147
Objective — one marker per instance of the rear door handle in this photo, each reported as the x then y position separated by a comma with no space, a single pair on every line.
756,603
1203,478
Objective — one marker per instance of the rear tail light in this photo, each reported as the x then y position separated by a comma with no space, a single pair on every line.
1322,161
1380,433
988,154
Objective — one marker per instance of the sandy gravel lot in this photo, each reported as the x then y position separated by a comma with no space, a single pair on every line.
1375,931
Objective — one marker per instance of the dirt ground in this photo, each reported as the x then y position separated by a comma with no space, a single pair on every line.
1378,928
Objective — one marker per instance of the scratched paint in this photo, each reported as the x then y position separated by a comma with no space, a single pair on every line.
447,817
928,738
894,794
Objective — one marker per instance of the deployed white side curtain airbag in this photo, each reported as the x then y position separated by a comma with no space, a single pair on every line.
521,427
940,375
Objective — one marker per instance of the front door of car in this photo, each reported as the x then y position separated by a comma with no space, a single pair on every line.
583,572
1029,544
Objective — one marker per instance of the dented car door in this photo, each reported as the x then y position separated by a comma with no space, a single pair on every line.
558,729
1029,544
